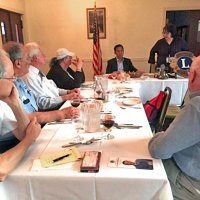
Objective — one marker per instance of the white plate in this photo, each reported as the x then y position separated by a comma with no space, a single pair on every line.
131,101
87,85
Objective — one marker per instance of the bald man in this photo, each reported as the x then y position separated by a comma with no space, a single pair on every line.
17,133
179,145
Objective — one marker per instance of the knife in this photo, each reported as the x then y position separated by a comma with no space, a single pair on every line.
130,126
90,141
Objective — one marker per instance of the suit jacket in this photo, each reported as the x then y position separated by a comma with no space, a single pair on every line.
127,65
62,78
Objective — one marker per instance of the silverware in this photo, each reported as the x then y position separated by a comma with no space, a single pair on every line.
59,122
105,112
134,107
127,97
128,126
90,141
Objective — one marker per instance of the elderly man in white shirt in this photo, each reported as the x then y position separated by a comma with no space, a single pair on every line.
47,94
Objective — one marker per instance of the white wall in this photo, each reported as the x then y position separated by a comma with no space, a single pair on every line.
137,24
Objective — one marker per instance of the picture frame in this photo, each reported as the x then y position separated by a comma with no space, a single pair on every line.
101,16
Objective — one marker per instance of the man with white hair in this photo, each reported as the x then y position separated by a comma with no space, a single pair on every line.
17,133
48,95
61,72
179,145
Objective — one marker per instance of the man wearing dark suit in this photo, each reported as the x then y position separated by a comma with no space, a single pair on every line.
119,63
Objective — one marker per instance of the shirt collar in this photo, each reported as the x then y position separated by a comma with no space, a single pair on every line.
33,69
119,60
194,94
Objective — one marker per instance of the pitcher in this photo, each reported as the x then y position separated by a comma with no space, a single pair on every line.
91,116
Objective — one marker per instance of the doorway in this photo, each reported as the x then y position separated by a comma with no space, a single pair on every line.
188,27
11,26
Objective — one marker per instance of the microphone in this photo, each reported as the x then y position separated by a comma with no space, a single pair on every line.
162,67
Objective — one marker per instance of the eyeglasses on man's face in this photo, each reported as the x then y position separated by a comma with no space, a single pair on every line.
69,57
11,78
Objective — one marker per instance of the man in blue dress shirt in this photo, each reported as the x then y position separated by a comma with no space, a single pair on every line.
21,61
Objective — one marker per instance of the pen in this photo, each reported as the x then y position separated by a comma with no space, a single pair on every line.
60,158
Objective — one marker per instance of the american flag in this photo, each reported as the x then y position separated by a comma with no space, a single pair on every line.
97,59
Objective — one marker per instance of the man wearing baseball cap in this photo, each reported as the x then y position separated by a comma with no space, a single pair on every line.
61,72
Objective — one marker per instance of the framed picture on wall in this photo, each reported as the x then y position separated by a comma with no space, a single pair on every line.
101,16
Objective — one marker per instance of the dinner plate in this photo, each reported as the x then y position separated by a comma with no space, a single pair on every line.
132,101
87,85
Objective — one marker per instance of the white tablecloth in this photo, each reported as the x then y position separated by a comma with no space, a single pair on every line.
67,182
150,87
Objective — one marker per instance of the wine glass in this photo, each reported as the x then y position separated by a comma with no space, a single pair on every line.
99,93
108,121
76,121
75,102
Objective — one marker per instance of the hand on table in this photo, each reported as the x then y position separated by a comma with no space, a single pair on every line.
71,112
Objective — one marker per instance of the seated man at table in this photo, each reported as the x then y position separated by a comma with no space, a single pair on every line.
48,95
120,63
19,57
61,72
179,145
17,133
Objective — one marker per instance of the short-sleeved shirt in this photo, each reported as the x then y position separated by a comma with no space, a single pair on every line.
26,96
8,122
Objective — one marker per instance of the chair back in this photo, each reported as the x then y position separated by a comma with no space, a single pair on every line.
161,117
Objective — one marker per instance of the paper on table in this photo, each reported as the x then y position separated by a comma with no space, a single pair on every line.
38,167
131,163
62,157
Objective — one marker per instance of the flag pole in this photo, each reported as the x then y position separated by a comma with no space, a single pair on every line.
97,57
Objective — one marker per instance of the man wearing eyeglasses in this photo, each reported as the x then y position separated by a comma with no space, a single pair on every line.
21,62
17,133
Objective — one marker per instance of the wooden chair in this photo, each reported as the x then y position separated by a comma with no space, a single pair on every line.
158,125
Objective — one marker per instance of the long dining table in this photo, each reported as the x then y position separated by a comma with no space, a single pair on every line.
31,181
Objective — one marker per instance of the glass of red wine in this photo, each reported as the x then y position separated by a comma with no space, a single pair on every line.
75,102
108,121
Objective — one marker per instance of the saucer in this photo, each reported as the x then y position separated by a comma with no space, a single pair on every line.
132,101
